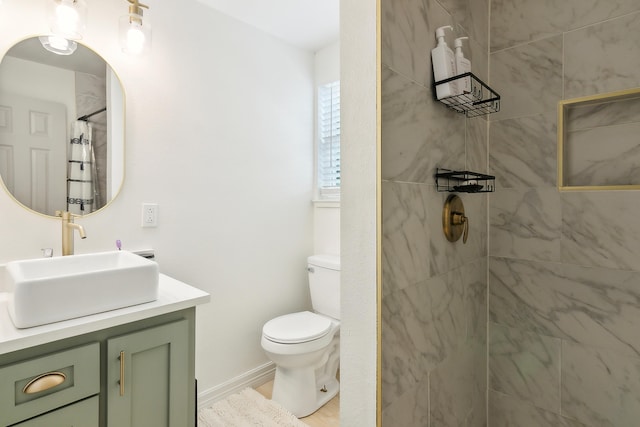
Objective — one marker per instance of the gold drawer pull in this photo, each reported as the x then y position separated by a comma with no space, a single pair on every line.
44,382
122,373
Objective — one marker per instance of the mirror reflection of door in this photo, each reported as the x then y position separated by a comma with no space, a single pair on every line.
86,90
33,151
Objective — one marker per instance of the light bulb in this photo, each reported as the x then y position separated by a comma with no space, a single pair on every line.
135,39
67,17
58,45
59,42
135,35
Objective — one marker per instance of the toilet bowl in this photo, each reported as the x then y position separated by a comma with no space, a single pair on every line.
305,346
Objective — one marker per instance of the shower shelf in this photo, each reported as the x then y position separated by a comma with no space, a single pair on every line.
482,99
464,181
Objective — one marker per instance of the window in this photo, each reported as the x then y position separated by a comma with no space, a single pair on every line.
329,141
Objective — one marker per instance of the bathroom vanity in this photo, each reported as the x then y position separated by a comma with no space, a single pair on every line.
129,367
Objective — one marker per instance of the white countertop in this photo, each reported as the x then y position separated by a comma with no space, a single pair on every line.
173,295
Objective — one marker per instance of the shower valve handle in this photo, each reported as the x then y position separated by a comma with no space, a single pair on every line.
459,218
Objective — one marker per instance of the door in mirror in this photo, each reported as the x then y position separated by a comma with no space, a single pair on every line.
61,129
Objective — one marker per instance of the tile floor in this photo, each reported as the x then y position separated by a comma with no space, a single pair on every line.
327,416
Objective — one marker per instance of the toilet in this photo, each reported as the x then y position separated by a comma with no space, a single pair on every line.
305,346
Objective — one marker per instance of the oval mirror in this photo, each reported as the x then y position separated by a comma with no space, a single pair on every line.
61,129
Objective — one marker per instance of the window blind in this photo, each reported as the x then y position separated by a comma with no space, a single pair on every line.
329,140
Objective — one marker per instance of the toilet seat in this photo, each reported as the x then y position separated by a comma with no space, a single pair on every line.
297,328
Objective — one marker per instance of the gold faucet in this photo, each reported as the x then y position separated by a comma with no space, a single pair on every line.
67,231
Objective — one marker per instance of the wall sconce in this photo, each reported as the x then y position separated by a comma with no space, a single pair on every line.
135,35
67,22
67,18
58,45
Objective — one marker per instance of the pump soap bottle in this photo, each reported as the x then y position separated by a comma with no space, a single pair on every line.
444,65
463,65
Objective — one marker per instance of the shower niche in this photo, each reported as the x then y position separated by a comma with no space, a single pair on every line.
598,145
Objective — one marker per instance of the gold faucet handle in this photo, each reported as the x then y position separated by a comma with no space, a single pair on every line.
65,215
465,232
459,218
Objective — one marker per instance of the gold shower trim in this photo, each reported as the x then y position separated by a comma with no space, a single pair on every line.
379,212
563,107
454,222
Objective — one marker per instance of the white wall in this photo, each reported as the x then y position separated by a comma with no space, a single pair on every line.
327,64
326,228
219,133
326,215
360,211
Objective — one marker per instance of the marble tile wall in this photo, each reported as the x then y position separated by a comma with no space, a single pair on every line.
91,96
525,365
434,305
564,299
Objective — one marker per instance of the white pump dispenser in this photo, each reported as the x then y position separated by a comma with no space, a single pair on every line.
463,65
444,65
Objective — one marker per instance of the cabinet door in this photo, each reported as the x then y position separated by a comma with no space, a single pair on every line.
81,414
148,378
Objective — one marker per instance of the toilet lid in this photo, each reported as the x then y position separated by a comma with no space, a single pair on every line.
296,328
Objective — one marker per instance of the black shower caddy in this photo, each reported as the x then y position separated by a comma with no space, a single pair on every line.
464,181
480,101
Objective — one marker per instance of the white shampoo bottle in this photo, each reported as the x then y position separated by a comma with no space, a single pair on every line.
444,65
463,65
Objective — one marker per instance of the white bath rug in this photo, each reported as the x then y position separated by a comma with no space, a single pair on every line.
245,409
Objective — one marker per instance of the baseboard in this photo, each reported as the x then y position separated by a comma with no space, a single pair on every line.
253,378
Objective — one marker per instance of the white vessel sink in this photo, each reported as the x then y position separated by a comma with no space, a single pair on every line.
49,290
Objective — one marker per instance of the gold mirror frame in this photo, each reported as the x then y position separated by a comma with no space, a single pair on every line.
122,136
563,108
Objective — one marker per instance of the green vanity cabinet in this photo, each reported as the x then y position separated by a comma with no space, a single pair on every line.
49,381
148,377
80,414
83,384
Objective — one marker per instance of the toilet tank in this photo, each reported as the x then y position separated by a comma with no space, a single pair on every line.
324,284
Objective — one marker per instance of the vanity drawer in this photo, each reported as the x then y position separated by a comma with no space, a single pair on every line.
81,414
44,383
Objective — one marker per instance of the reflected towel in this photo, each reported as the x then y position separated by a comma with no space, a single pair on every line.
80,188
